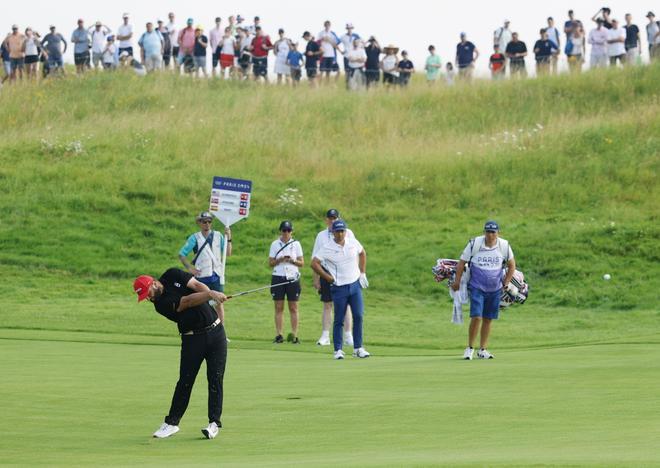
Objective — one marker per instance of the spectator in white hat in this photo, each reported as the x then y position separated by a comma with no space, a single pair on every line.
347,41
125,36
99,33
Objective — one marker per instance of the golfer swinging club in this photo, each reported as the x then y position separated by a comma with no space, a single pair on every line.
342,263
179,297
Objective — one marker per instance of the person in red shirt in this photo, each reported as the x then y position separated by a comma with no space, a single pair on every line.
497,63
260,46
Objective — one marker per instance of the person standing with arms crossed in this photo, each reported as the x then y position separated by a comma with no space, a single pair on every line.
342,263
323,287
207,265
486,256
286,256
179,297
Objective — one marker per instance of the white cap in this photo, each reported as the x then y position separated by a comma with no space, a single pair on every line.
506,21
125,15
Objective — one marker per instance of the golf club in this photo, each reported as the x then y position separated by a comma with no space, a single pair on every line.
290,279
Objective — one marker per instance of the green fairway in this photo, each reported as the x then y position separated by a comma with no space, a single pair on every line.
88,403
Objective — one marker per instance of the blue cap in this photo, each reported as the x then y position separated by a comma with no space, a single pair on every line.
339,225
332,213
491,226
190,21
286,226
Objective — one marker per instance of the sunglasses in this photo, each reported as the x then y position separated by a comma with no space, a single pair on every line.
206,221
286,230
492,232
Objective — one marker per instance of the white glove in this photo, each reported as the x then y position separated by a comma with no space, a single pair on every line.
364,282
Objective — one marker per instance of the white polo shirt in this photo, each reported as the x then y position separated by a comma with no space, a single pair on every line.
616,48
293,250
326,236
125,30
341,261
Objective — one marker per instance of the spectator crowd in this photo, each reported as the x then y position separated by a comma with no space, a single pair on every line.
241,51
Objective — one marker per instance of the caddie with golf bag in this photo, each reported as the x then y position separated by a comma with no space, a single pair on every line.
491,267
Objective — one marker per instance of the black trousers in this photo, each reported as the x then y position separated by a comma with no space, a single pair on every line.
212,347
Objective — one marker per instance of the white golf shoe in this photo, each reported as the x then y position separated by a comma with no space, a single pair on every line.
339,354
484,354
348,338
211,431
361,353
469,352
166,430
324,340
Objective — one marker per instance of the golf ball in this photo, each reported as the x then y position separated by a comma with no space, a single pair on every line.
606,276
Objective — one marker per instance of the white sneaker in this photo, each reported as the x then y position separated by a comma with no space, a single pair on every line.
166,430
348,338
484,354
324,340
339,354
361,353
469,352
211,431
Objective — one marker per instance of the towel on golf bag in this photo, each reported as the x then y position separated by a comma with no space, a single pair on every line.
460,298
516,293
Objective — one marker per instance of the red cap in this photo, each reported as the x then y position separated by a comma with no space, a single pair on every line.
141,286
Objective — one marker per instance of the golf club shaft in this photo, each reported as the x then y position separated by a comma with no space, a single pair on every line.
259,289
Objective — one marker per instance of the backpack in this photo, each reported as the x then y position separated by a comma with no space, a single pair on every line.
569,47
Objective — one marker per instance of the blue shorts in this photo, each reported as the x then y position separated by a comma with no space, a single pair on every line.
485,304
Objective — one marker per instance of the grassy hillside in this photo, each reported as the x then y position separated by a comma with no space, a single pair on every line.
101,178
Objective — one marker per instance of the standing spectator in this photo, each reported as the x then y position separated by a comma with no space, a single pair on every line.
466,56
240,23
486,256
544,50
616,40
497,63
260,46
389,65
516,51
598,40
6,60
372,67
53,44
215,37
174,39
199,51
81,44
632,41
342,263
125,36
502,35
253,28
99,34
32,48
167,43
227,52
281,48
406,69
329,42
232,25
186,39
110,54
347,41
15,45
575,47
207,266
432,66
244,55
295,62
604,16
357,58
286,257
450,74
653,36
554,36
571,24
151,49
312,54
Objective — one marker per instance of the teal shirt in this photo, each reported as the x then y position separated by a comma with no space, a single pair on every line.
432,72
191,243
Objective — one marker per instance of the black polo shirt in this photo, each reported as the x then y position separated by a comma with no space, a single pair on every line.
516,48
311,61
174,282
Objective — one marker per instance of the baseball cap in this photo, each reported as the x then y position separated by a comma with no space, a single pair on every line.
239,18
305,34
286,226
339,225
463,34
204,215
650,14
52,26
190,21
98,23
349,26
141,286
332,213
491,226
125,15
14,26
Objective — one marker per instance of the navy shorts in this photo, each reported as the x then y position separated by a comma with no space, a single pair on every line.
485,304
212,285
291,291
260,66
326,295
329,64
311,72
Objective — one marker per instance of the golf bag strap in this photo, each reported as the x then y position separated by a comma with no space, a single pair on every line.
208,240
284,247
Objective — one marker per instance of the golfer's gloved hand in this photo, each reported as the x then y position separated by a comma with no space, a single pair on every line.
364,282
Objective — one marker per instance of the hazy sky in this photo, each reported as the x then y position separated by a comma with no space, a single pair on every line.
411,24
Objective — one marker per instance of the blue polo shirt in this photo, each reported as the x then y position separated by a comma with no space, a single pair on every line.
465,54
295,59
